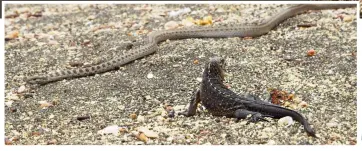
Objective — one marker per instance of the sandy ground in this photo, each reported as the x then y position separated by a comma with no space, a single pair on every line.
51,37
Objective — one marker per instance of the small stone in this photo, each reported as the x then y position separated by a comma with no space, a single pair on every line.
86,42
148,97
91,17
169,139
285,121
21,89
187,23
44,104
332,124
140,119
311,52
12,35
148,133
264,135
176,65
303,104
113,129
171,25
199,79
30,113
13,97
133,116
8,103
143,137
52,142
347,18
8,142
271,142
220,10
150,75
53,42
51,116
121,107
81,118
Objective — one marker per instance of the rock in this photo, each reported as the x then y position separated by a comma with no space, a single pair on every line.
113,129
303,104
271,142
187,23
8,103
13,97
121,107
133,116
332,124
148,133
141,119
285,121
150,75
21,89
44,104
347,18
52,142
179,12
12,35
171,25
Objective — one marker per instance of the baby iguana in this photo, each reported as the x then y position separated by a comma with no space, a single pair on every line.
220,101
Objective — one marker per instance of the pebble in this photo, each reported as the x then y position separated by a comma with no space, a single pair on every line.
81,118
113,129
13,97
133,116
332,124
8,142
271,142
169,139
285,121
12,35
8,103
303,104
187,23
140,119
148,133
21,89
121,107
52,142
150,75
148,97
44,104
179,12
347,18
171,25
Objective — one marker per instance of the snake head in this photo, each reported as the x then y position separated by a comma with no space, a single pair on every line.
37,80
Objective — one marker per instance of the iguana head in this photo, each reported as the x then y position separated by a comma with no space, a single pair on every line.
216,66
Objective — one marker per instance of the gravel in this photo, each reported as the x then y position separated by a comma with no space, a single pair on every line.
134,96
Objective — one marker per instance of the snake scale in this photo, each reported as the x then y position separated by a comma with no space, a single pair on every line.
201,32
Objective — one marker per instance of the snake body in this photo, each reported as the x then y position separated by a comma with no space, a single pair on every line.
201,32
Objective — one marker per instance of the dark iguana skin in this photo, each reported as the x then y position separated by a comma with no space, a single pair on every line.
220,101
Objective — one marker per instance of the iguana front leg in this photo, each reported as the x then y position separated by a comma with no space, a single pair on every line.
195,100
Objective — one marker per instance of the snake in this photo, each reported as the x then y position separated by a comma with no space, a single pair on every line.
155,37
